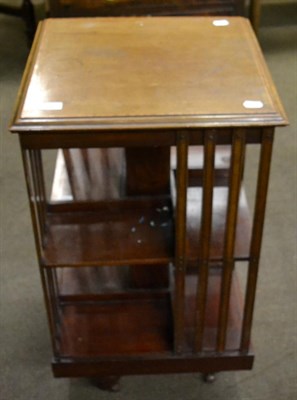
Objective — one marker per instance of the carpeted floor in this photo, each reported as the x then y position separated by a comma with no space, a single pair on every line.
24,338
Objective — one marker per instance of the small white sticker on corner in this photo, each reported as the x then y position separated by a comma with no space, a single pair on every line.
253,104
51,106
220,22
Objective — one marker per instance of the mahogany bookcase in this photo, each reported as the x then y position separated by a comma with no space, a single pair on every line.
140,235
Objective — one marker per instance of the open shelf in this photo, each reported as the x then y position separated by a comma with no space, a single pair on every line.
141,321
131,326
140,231
120,232
89,281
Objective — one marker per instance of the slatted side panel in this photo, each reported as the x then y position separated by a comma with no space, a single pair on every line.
36,191
34,176
227,263
224,303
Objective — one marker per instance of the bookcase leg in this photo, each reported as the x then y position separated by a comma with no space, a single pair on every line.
109,383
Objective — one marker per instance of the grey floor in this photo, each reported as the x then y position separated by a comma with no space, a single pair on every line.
24,339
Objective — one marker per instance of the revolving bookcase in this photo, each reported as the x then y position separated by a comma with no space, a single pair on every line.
142,232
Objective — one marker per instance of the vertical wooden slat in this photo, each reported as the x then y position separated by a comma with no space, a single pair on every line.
30,189
86,161
53,294
38,188
41,186
40,173
51,306
180,238
237,160
205,235
257,232
70,171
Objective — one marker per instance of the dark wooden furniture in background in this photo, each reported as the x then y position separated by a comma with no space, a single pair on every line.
66,8
26,12
78,8
147,104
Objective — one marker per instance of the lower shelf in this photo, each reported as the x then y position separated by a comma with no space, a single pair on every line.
133,329
117,327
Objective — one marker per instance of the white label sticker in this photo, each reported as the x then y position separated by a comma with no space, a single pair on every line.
220,22
253,104
51,105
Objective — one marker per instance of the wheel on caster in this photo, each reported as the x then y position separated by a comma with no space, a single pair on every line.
209,378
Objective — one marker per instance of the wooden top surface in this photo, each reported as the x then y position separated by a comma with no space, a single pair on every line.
149,72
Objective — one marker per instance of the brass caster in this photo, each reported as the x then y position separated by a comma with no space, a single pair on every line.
209,378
